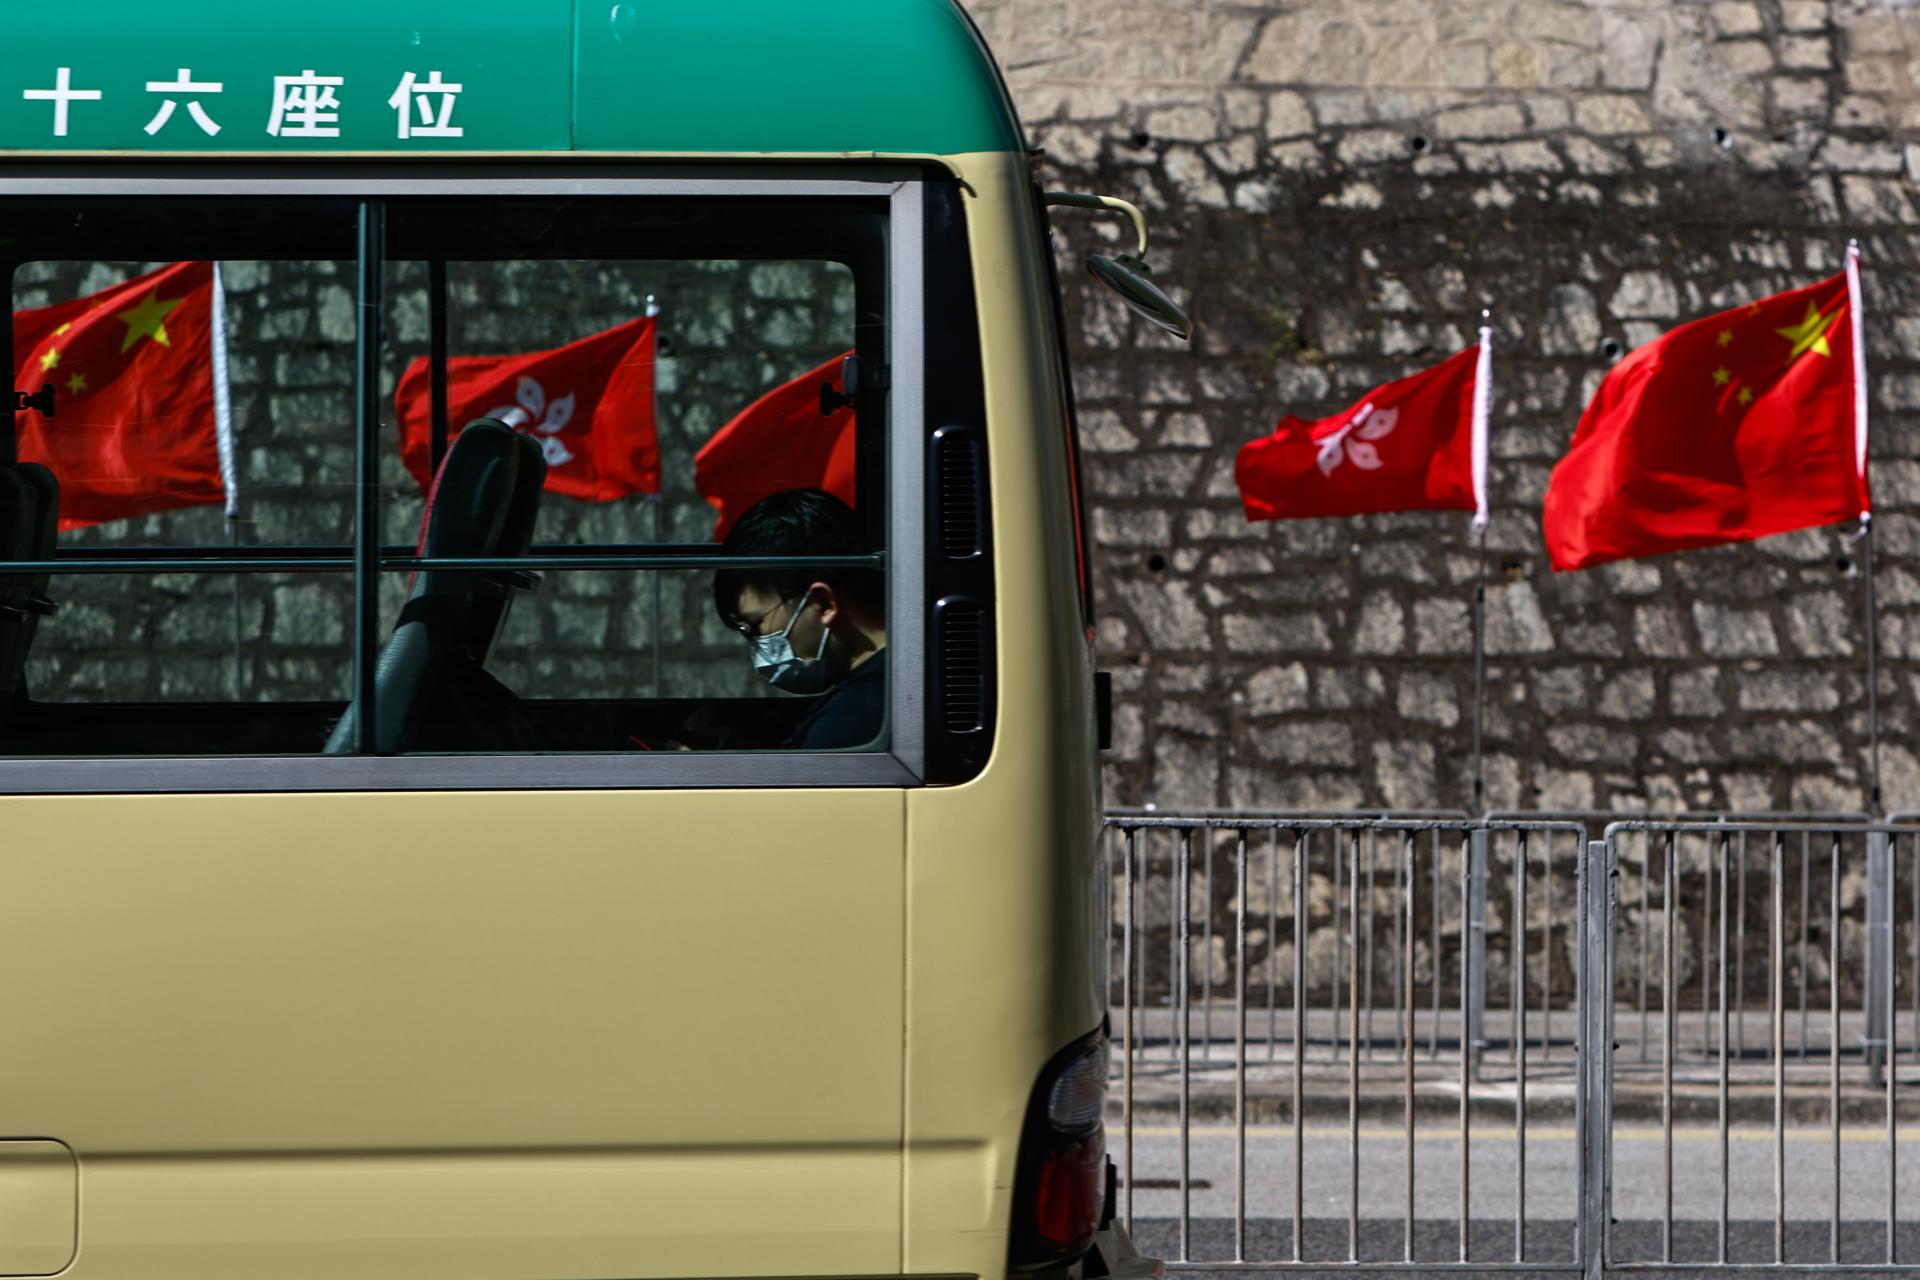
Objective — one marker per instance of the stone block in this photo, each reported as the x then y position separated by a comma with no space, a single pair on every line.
1287,633
1276,690
1873,76
1659,632
1482,120
1514,64
1734,633
1183,122
1737,18
1571,325
1822,625
1234,156
1131,528
1283,52
1221,46
1317,743
1355,195
1381,627
1629,43
1593,743
1798,96
1775,690
1562,790
1877,200
1405,773
1804,15
1806,53
1628,696
1195,181
1442,625
1167,613
1371,146
1466,65
1402,57
1515,623
1784,742
1186,773
1557,690
1843,154
1428,697
1644,294
1288,115
1610,113
1589,157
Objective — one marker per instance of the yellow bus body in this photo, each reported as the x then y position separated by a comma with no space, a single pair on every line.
579,1033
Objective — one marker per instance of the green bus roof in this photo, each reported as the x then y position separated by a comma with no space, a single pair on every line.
400,76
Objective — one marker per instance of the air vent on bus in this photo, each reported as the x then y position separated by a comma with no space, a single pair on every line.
963,673
957,466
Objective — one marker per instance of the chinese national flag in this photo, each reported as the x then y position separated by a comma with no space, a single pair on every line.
1744,424
1416,444
781,441
589,404
132,372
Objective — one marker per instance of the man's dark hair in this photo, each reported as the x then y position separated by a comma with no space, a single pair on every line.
797,522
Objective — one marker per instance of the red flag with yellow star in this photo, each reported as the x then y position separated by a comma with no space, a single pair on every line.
133,430
1744,424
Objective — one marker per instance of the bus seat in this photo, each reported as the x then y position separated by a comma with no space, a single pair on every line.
29,517
493,593
478,506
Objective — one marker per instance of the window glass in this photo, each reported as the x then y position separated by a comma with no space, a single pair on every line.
647,370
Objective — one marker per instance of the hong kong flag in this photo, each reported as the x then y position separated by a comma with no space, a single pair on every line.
133,370
790,438
1744,424
589,404
1415,444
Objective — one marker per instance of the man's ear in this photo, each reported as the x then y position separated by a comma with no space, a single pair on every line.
829,603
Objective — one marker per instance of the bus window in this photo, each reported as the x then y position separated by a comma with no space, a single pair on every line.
119,310
654,369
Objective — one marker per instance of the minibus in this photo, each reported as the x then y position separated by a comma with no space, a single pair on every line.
407,866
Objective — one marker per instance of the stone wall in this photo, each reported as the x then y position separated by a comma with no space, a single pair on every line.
1338,187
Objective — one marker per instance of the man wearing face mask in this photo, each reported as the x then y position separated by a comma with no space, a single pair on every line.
818,631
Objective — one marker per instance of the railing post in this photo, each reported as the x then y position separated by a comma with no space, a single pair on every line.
1593,1102
1474,1034
1879,943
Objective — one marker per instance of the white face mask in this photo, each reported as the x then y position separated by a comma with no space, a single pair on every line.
775,661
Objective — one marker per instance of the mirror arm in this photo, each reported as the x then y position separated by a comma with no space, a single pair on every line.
1109,204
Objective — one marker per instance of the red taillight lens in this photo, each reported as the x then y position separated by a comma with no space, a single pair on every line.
1061,1188
1071,1192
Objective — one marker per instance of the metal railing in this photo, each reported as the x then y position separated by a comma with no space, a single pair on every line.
1337,951
1796,919
1303,1003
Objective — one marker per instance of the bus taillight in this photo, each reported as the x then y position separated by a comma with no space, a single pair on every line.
1061,1188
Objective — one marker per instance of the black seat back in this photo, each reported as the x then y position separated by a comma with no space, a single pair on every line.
479,506
29,518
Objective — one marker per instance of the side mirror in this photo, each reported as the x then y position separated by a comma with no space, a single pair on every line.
1131,278
1128,274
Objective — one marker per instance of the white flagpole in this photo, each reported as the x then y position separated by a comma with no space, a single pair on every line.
223,399
1482,400
653,501
229,474
1865,536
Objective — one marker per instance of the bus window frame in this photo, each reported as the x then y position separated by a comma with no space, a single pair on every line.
902,763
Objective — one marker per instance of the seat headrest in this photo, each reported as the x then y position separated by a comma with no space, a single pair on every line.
474,493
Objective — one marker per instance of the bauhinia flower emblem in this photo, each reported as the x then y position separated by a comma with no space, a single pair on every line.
1354,441
543,419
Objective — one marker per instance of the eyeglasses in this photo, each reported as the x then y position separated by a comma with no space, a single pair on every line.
750,627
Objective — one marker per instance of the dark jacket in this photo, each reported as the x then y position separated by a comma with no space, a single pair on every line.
851,714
